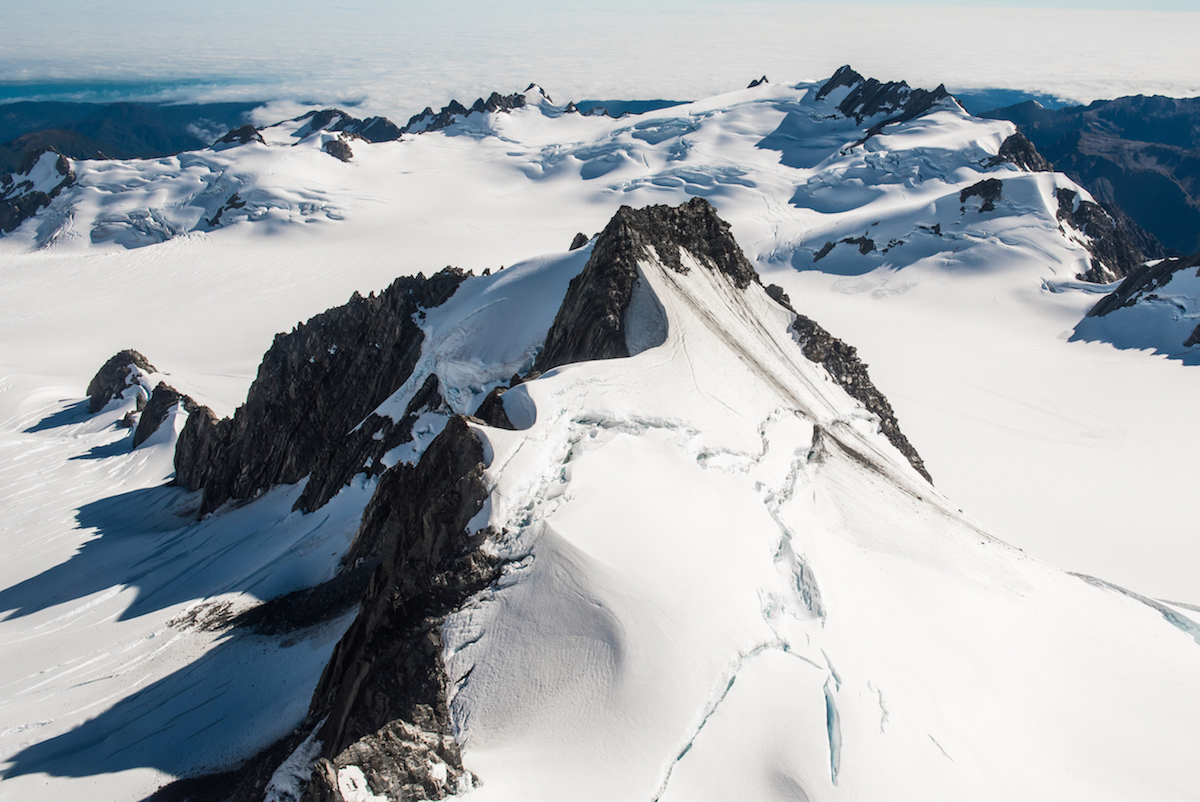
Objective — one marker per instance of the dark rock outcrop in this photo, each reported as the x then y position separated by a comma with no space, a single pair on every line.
758,82
776,294
428,120
491,411
314,386
591,323
987,190
865,244
20,194
338,149
241,135
114,377
235,202
162,399
372,129
1018,150
383,696
580,240
843,364
868,98
1113,251
1142,281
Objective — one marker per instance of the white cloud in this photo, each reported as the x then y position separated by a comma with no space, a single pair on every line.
396,58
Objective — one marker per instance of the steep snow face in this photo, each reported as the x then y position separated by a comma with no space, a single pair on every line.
1156,307
719,580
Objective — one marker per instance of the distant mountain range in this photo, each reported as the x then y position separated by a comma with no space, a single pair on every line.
1139,153
1138,156
112,130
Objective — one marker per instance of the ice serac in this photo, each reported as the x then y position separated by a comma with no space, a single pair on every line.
314,387
43,174
383,696
594,321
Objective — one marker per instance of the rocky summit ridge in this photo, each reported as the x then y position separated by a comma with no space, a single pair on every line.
381,707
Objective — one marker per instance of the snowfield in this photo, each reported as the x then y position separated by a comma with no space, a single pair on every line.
719,579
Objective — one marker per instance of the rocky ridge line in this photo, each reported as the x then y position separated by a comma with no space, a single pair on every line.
20,197
868,98
1113,251
315,385
591,323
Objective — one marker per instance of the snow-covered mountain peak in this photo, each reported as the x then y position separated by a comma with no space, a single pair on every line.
42,175
864,98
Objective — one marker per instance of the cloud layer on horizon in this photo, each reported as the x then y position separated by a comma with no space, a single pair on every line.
395,59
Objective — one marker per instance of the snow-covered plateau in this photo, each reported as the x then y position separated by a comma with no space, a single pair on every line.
619,522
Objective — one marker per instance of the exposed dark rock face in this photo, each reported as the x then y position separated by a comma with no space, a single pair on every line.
428,120
157,408
1139,153
580,240
315,121
24,192
865,244
758,82
311,606
1141,281
843,364
1114,253
241,135
383,696
987,190
362,450
114,377
591,323
776,294
372,129
1020,151
338,149
491,411
314,385
234,202
868,97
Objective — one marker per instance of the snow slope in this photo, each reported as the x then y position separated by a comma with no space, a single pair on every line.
721,581
965,327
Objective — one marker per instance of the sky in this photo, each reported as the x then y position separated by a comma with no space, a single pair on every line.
395,58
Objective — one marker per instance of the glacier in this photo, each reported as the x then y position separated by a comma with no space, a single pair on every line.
687,538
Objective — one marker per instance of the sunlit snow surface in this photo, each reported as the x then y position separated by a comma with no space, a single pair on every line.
666,517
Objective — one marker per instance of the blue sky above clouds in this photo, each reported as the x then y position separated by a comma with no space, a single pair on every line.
397,57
